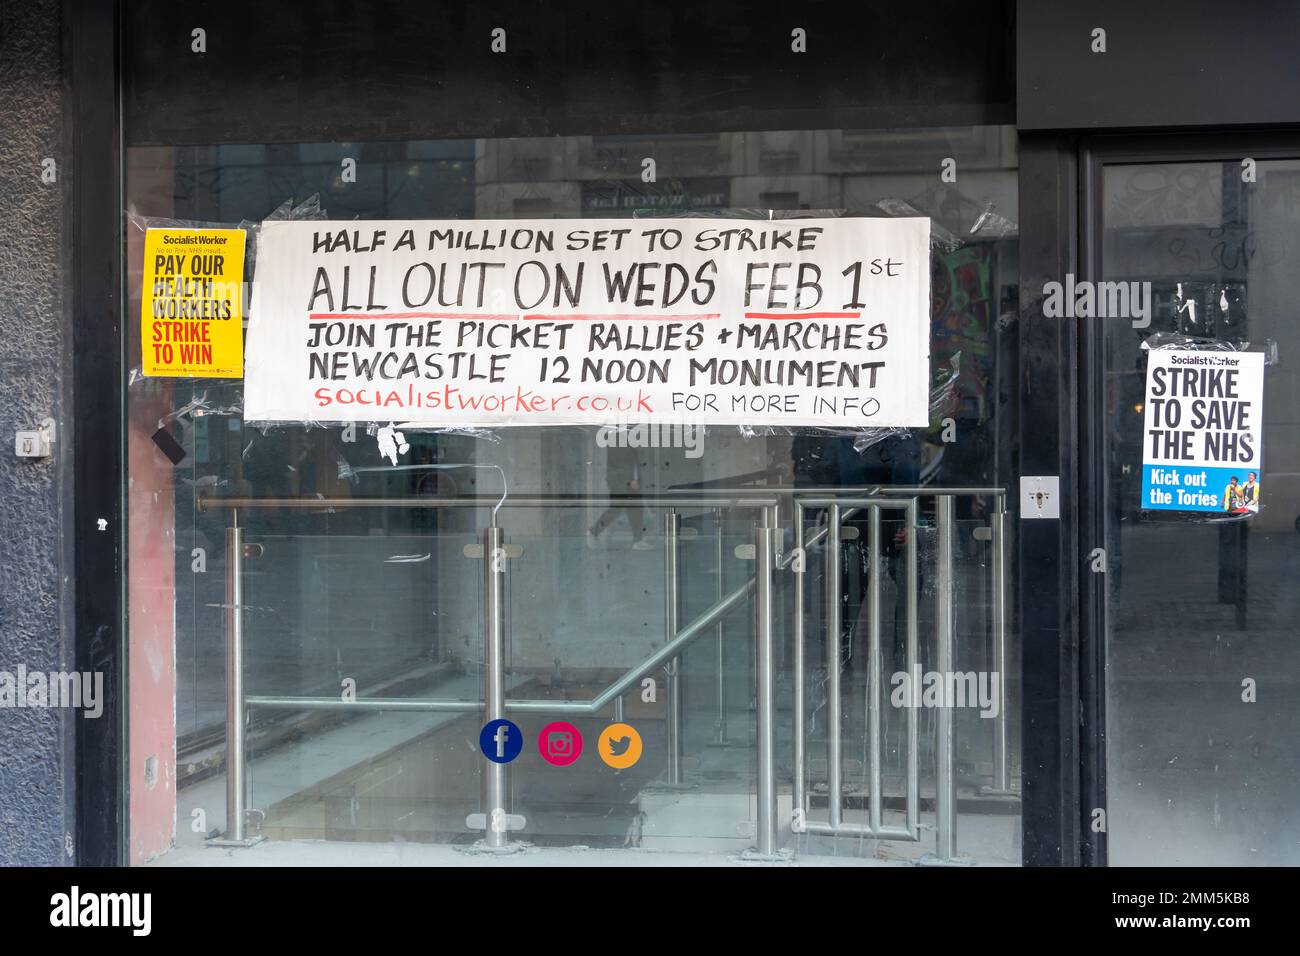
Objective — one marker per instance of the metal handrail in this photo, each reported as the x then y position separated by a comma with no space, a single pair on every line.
495,789
751,497
206,502
673,648
838,509
768,560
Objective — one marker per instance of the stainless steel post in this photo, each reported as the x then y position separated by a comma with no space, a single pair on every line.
833,727
998,557
946,785
236,783
913,669
798,796
495,775
874,728
720,717
766,841
672,607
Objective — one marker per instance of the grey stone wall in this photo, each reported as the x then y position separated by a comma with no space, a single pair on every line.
36,797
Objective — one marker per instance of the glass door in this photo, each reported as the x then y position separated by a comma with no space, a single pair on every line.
1200,663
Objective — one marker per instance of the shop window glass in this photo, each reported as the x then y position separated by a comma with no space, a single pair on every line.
389,600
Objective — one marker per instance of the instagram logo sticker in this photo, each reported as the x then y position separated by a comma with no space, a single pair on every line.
560,743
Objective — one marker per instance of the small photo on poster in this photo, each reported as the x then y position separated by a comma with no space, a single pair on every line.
1242,496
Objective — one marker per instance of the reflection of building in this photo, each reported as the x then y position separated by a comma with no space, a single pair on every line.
843,170
836,172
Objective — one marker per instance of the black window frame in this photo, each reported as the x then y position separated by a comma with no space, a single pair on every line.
1056,750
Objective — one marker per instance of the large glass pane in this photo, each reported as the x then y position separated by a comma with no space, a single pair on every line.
1203,765
361,580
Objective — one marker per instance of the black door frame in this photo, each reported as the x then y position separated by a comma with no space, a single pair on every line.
1047,598
93,228
1096,152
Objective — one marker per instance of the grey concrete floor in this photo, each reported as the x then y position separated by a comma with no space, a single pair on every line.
1195,774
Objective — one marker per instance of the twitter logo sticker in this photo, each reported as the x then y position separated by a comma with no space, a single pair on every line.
619,746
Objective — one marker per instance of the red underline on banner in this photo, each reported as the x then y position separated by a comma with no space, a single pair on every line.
632,317
531,317
802,315
380,316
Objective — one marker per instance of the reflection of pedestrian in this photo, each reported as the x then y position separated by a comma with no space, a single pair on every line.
622,477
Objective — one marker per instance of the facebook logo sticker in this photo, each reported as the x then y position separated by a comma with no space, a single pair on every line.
500,741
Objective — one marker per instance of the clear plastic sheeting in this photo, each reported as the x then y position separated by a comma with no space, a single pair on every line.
943,392
287,211
943,395
749,212
199,406
988,225
1177,340
991,224
221,398
940,238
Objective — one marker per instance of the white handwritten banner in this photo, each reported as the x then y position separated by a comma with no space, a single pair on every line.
592,321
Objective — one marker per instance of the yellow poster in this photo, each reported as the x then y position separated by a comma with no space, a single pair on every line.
191,312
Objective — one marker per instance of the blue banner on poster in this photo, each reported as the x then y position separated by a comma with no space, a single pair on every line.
1230,490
